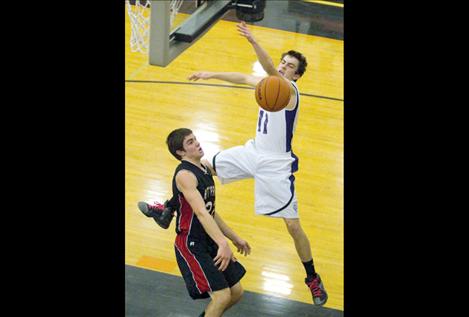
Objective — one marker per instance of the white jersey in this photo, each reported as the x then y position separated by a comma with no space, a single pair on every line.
268,159
275,130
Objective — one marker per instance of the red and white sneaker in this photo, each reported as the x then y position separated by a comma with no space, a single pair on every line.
160,212
317,290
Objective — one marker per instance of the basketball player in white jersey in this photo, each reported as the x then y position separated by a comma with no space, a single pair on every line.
269,158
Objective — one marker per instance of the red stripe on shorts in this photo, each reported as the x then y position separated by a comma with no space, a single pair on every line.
187,216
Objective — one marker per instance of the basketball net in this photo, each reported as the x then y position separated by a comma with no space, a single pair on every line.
139,16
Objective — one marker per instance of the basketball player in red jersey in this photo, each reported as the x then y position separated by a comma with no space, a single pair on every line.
202,251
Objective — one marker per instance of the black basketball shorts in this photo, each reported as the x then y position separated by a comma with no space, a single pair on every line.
195,261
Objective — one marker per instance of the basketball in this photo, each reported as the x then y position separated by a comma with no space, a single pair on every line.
273,93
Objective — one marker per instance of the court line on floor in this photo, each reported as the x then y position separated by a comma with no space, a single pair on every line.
217,85
328,3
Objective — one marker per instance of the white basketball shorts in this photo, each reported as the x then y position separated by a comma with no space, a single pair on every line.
273,177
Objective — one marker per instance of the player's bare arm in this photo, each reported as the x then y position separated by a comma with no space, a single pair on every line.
266,61
262,55
232,77
241,244
187,184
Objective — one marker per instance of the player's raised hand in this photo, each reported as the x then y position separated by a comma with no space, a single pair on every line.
244,31
200,75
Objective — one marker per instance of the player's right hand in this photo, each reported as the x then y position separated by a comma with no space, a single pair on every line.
244,31
224,256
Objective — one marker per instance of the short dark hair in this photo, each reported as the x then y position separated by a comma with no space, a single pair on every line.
175,141
302,61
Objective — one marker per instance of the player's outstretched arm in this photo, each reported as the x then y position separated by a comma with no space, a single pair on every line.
262,56
232,77
266,60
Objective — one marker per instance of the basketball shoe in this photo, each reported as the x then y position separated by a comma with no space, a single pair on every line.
160,212
317,289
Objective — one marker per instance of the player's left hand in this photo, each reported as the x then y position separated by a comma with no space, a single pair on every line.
242,246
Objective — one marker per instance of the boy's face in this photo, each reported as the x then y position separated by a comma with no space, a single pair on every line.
192,148
288,67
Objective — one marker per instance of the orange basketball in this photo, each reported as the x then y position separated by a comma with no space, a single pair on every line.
273,93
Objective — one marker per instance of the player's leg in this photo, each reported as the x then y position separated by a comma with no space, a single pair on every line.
162,213
302,245
237,292
233,275
203,279
219,303
303,248
275,197
233,164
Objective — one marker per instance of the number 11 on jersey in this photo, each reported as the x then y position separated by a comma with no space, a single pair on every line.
259,123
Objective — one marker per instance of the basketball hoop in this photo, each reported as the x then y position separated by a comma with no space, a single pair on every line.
157,31
139,15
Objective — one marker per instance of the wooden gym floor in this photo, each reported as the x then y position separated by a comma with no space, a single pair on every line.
160,99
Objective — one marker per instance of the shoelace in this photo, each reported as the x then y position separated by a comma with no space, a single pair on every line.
314,286
157,207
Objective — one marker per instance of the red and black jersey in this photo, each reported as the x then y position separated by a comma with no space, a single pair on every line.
186,221
194,248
